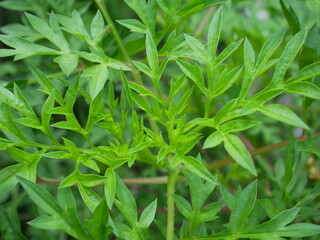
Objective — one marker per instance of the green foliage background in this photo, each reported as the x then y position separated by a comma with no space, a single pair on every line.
159,119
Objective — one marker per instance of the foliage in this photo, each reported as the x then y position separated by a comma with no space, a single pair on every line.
92,102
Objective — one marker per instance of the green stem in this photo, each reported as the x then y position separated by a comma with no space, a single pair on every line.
106,16
172,178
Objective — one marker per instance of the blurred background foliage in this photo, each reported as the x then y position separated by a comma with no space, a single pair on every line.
256,20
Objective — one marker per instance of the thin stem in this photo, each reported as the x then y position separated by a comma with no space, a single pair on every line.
204,21
106,16
172,178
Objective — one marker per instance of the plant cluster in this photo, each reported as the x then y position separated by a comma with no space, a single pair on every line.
109,108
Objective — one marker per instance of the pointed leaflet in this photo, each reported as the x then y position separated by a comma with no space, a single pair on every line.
97,76
126,202
213,140
269,47
7,177
47,222
89,196
110,187
249,60
197,47
152,54
52,32
305,89
194,73
134,25
97,28
147,215
183,206
196,167
305,73
283,114
287,56
244,203
227,52
67,62
238,151
214,33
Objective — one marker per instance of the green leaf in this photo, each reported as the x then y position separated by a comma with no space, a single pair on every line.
134,25
147,215
287,56
69,181
244,204
291,18
52,32
41,197
305,89
98,225
208,213
269,47
67,62
183,206
89,196
214,33
227,52
110,187
46,84
23,48
305,73
198,48
226,80
238,125
97,76
196,167
45,114
97,28
126,204
152,54
194,73
283,114
47,222
238,151
213,140
7,177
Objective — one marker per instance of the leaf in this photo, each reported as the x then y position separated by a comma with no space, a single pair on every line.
134,25
126,204
7,177
305,89
41,197
283,114
52,32
287,56
89,196
110,187
98,225
305,73
198,48
23,48
245,201
213,140
152,54
214,33
97,28
183,206
147,215
45,114
97,76
46,84
237,150
238,125
291,18
196,167
227,52
47,222
269,47
194,73
67,62
208,213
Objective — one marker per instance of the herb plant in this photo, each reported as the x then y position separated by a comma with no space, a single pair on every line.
99,112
